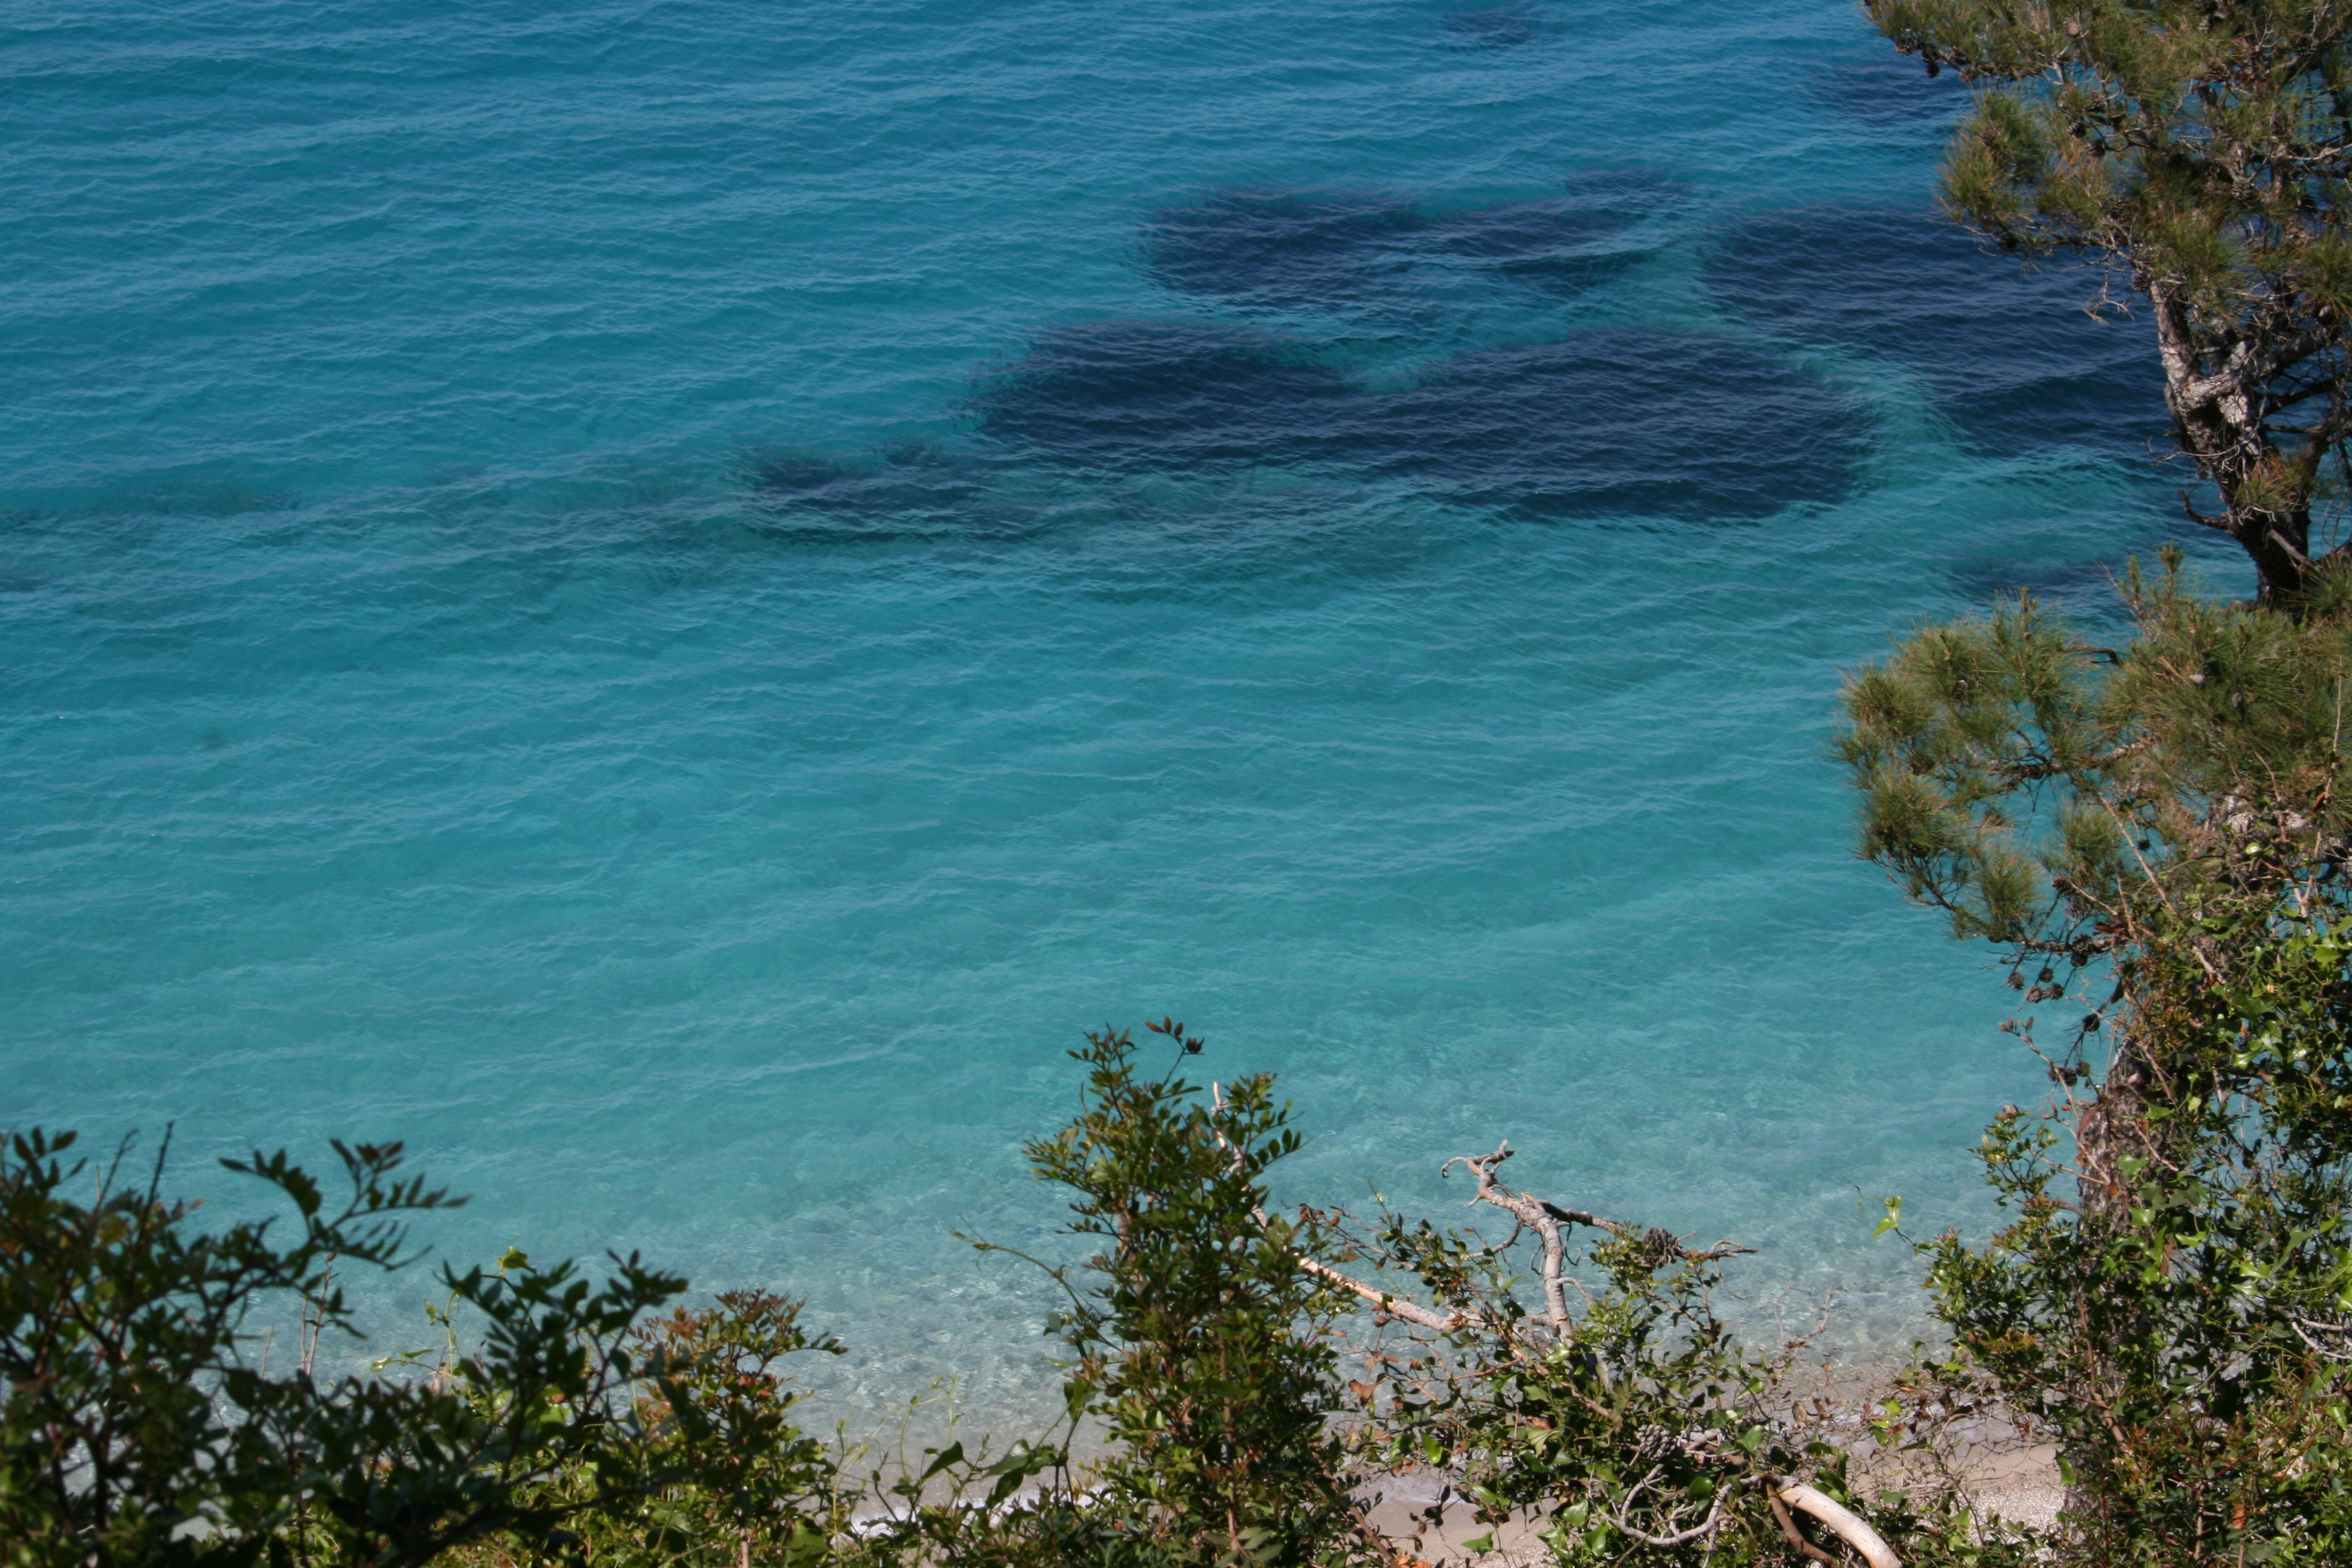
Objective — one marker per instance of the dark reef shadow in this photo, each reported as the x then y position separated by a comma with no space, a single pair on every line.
1123,395
1649,424
1563,245
2083,584
1646,422
1635,188
2090,586
1491,28
2009,357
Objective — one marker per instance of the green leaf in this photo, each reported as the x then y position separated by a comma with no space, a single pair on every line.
805,1544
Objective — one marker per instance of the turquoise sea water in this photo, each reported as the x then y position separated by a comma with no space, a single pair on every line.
665,600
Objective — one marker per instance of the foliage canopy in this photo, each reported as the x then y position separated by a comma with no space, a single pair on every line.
2203,148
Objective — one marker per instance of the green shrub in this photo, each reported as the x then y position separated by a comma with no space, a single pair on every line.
725,1478
143,1423
1198,1341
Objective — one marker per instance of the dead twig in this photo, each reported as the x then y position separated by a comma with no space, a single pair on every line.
1704,1527
1790,1531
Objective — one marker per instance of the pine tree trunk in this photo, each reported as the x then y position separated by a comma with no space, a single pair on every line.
2112,1127
2218,424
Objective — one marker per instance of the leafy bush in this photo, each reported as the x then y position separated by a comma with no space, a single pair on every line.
1199,1343
143,1423
725,1475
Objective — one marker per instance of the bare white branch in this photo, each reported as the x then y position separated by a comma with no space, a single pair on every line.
1840,1521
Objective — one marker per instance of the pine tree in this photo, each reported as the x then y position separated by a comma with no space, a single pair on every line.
2159,836
2202,150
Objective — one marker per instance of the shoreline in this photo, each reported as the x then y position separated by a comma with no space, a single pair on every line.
2015,1483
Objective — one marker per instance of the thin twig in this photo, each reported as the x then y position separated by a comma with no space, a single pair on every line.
1705,1527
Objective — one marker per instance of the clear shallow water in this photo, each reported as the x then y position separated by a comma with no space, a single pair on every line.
666,601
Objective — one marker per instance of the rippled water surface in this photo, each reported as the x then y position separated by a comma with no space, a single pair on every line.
664,601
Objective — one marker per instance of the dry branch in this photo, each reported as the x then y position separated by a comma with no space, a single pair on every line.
1843,1524
1546,1219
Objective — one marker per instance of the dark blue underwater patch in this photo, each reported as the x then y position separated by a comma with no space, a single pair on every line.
1160,395
2082,583
1563,244
1645,424
2010,358
1640,423
1279,249
908,491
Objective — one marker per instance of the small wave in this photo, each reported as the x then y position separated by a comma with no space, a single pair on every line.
1327,251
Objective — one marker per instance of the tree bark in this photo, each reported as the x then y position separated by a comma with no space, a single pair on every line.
2216,421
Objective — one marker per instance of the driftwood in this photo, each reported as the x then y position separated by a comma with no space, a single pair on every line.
1839,1521
1546,1219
